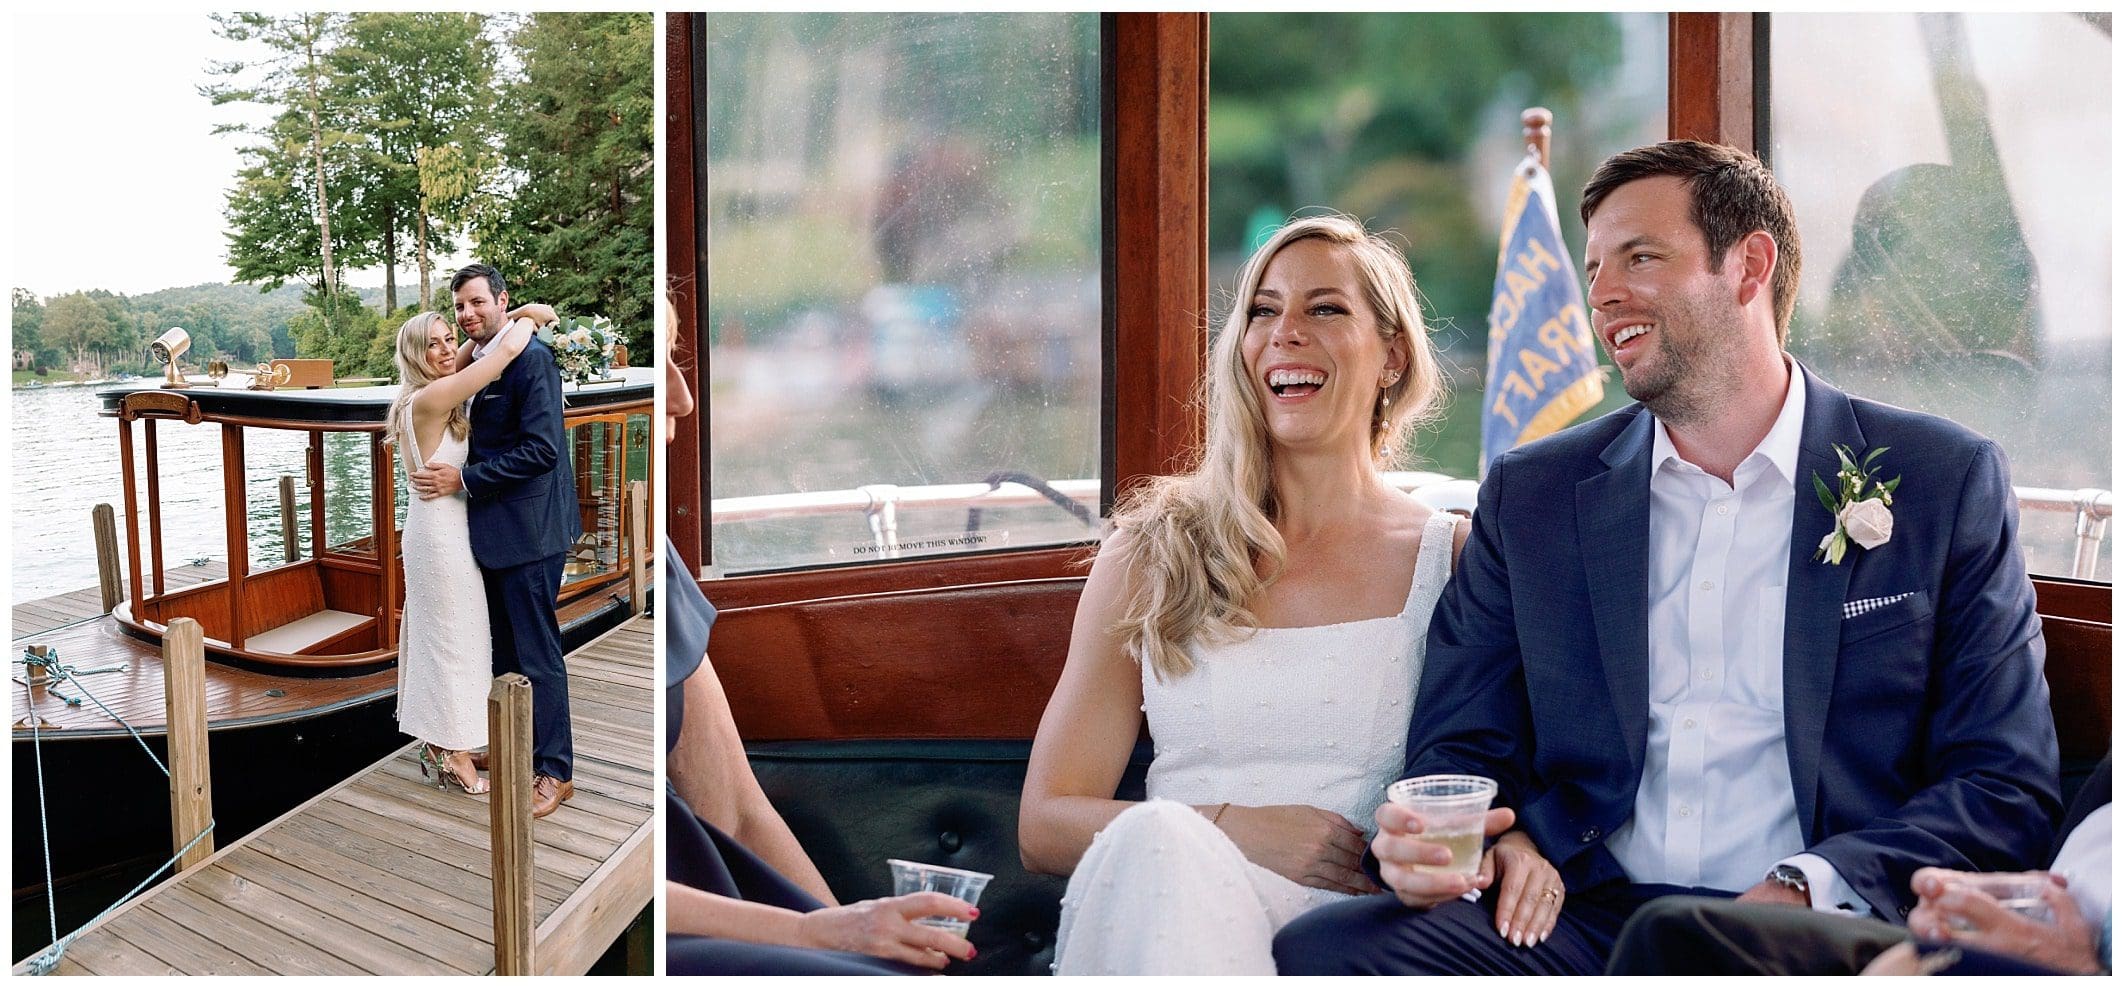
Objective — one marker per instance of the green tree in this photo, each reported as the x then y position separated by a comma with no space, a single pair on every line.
28,326
273,234
573,224
83,326
297,79
341,331
1383,127
421,82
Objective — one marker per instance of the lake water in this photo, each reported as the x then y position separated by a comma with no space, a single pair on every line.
66,462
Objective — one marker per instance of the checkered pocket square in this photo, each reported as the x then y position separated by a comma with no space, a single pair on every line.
1854,608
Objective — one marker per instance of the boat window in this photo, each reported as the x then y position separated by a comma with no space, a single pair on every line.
350,518
902,218
1956,223
1413,126
608,451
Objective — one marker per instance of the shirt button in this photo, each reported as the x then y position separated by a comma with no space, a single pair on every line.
1725,508
1706,585
1689,724
1707,674
1685,811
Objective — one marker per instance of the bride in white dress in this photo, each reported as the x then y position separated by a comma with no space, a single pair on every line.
1265,616
445,663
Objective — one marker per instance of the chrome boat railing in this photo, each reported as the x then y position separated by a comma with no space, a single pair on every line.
881,504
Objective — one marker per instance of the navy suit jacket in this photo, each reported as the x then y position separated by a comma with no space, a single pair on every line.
517,474
1918,734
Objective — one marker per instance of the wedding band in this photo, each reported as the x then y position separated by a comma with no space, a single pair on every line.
1548,893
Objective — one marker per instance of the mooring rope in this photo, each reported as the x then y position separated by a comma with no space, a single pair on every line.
49,958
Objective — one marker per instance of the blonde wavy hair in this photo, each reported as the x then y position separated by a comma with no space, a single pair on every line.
1199,543
413,375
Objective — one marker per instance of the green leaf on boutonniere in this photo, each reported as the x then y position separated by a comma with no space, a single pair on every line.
1821,490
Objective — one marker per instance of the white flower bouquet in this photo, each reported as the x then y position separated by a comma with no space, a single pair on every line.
582,346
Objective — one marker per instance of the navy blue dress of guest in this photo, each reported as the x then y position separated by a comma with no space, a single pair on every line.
702,856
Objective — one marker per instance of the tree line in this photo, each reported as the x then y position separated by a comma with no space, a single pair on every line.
402,137
98,332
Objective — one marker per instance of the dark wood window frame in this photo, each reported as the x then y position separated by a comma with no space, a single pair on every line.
1155,266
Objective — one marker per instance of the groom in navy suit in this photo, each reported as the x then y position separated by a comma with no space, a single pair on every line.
1647,645
521,492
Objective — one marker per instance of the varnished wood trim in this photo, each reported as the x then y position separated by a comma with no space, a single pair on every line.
2077,599
872,665
1158,196
154,504
1711,78
914,574
313,462
236,516
132,511
686,452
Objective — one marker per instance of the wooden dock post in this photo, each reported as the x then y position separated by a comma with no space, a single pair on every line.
509,820
191,788
292,549
637,544
107,581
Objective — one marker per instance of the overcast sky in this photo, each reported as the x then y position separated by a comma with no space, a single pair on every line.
119,179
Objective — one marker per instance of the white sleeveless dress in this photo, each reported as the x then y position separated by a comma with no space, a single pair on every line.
445,651
1316,716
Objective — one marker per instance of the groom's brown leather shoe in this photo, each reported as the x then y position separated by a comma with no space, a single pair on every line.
479,760
547,793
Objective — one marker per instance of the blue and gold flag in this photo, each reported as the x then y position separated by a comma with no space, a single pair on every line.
1542,367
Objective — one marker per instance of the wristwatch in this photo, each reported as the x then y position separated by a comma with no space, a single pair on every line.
1792,878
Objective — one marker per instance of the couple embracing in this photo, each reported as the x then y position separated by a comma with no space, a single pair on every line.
480,429
1643,636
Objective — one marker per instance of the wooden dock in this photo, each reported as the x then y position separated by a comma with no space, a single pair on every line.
385,874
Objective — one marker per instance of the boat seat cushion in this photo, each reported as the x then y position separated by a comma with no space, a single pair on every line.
853,804
303,632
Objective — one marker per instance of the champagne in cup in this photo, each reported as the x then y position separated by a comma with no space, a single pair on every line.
2020,892
909,877
1451,808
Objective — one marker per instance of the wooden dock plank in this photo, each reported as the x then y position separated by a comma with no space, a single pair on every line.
171,944
452,849
450,878
107,955
474,809
238,885
569,837
266,945
473,919
385,874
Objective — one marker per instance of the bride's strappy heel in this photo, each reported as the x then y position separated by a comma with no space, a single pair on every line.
435,766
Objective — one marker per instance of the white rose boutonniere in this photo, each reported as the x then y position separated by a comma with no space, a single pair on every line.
1859,503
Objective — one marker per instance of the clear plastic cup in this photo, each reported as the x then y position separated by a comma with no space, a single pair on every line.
909,877
1452,808
2020,892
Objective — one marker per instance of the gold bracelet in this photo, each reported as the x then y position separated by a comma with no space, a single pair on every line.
1221,807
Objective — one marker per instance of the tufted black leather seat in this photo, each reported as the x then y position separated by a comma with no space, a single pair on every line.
853,804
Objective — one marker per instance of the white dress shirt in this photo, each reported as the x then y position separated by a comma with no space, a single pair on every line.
1715,806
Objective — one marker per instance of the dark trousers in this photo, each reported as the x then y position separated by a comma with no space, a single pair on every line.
1689,935
700,856
526,629
1376,934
